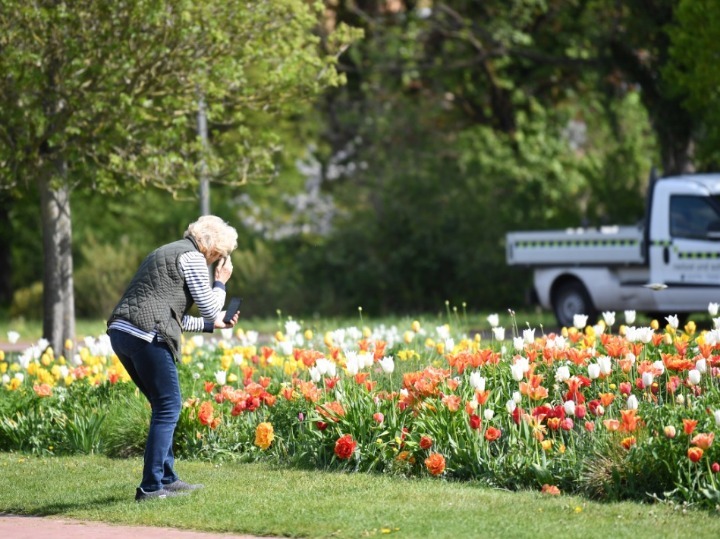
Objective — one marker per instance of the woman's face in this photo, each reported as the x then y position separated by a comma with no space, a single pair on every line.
214,255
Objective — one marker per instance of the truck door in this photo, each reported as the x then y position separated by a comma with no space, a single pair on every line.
687,260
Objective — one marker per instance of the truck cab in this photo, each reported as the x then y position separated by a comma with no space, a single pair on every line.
668,264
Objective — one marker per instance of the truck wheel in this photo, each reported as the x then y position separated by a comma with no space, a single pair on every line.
570,299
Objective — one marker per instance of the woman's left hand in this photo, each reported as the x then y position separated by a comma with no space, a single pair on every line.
220,324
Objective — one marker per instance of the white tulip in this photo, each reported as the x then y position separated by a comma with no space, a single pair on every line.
315,375
388,364
630,317
713,309
562,373
13,336
659,366
593,371
569,407
488,414
477,381
286,348
221,377
493,320
499,333
632,402
673,321
694,377
5,378
529,335
510,406
352,363
605,364
19,376
609,317
647,379
517,397
518,343
701,365
517,372
291,328
716,413
580,320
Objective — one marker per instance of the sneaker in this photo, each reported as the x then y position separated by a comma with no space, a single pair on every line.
141,495
181,486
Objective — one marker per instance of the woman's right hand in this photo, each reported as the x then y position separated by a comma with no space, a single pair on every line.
223,270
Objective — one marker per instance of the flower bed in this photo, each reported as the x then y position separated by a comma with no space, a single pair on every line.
630,413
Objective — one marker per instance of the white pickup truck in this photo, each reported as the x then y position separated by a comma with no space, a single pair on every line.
667,264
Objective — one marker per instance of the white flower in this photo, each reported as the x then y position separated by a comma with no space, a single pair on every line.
250,338
713,309
226,333
609,317
517,397
352,363
701,365
716,413
680,399
387,364
593,371
518,343
630,317
673,321
523,362
493,320
449,345
5,378
632,402
562,373
517,372
221,377
286,348
13,336
200,365
499,333
366,359
659,367
647,379
477,381
489,414
19,376
716,323
529,335
510,406
694,377
580,320
605,364
238,359
291,328
443,332
196,376
315,375
569,407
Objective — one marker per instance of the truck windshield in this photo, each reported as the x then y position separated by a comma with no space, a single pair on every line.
694,216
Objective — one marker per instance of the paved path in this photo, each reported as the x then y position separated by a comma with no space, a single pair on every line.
22,527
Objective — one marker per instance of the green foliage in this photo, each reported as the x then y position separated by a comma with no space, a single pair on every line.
694,35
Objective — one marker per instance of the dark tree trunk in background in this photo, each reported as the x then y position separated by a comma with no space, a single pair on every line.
6,269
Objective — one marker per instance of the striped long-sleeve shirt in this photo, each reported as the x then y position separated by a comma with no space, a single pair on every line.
210,301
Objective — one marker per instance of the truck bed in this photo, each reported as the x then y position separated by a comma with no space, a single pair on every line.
576,246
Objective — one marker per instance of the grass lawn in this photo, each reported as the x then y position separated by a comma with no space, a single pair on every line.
261,500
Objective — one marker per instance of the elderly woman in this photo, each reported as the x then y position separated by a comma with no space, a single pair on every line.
146,328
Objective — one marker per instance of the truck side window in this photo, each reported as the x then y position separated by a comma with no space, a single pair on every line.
692,217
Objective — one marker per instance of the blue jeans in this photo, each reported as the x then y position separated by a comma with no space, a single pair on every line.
152,367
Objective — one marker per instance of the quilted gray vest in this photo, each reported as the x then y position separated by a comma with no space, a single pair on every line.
157,297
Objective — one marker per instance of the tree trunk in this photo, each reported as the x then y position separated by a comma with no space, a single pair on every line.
58,298
6,273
